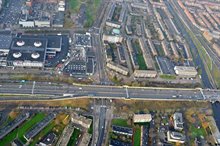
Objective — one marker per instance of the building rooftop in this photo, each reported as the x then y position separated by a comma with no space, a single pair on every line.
28,49
185,68
17,142
121,129
119,143
53,41
48,139
142,117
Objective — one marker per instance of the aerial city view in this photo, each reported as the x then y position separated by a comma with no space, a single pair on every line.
109,72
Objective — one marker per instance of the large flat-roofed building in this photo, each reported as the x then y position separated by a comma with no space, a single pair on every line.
27,52
54,43
145,74
142,118
175,137
187,71
178,121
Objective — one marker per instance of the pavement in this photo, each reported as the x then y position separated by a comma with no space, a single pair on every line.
62,91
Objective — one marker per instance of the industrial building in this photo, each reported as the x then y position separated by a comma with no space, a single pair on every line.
178,121
39,126
54,43
175,137
185,71
122,130
13,124
30,50
27,52
142,118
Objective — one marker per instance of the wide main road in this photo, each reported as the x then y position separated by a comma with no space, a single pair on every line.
54,90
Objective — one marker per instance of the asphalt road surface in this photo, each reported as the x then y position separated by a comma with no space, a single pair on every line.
57,90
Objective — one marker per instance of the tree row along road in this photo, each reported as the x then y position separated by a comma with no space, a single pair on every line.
60,90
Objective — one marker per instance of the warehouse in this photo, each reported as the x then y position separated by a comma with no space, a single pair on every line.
185,71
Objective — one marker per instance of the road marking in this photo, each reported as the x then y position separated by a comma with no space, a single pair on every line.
126,89
202,94
32,92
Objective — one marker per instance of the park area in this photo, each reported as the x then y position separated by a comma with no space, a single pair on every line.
91,9
55,126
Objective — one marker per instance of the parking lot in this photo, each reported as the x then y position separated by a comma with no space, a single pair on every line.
11,13
166,66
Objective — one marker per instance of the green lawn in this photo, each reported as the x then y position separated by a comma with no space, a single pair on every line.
91,12
140,58
74,137
195,132
19,132
137,136
120,122
170,77
90,130
141,62
74,5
